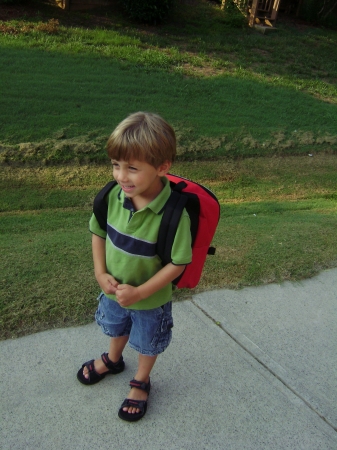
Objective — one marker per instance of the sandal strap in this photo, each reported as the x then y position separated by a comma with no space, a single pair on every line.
108,363
141,385
90,366
139,404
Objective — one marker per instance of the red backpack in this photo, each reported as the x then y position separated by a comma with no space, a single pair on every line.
204,211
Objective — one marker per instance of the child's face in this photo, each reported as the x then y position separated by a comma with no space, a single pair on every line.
138,179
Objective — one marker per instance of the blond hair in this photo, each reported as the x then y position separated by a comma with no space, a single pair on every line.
145,137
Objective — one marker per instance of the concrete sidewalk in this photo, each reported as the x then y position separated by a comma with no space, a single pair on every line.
249,369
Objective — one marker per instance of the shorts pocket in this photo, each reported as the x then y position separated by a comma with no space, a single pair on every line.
99,314
163,334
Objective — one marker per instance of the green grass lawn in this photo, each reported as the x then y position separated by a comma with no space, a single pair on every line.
278,222
228,91
248,110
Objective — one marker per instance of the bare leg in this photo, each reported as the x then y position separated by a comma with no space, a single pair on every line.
116,348
145,365
115,352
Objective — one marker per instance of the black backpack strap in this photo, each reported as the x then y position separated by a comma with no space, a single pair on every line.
169,224
100,208
192,206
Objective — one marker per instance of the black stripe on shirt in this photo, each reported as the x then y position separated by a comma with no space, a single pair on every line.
130,244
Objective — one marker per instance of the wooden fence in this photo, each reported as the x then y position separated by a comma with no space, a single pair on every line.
258,12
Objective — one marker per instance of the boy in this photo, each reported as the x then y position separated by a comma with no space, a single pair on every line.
135,303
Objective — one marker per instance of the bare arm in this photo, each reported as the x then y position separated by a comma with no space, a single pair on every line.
106,281
128,295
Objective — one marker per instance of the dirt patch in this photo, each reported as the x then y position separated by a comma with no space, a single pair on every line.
205,71
55,150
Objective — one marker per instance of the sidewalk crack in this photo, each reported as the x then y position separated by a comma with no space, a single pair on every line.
258,356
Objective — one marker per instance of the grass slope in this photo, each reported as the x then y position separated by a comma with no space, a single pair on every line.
228,91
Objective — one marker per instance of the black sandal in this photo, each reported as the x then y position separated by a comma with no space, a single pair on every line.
95,377
139,404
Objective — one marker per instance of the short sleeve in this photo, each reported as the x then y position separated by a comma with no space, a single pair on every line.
95,228
182,246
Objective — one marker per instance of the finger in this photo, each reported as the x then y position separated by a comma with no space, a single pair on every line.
113,282
120,287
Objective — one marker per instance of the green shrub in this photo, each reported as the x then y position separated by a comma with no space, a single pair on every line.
149,11
233,16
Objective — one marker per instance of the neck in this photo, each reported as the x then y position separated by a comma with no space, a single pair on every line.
140,201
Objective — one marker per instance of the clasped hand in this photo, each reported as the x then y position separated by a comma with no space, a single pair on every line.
126,295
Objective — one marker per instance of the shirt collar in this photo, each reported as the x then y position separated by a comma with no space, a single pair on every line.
156,205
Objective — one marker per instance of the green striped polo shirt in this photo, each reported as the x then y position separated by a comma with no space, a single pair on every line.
131,239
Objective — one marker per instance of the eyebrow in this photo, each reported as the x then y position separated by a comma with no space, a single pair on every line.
132,163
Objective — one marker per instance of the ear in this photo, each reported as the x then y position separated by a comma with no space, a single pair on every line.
164,168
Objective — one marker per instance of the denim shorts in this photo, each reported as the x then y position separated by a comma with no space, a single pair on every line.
149,331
